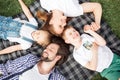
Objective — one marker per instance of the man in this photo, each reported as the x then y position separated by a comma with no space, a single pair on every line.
30,67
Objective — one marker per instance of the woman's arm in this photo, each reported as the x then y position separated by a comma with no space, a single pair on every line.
11,49
95,8
25,9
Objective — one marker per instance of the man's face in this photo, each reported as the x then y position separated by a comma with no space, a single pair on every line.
49,54
58,21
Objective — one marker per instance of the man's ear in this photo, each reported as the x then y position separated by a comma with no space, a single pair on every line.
58,57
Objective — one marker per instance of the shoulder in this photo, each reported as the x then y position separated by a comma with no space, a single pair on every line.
57,75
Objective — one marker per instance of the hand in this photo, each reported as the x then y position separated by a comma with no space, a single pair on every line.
95,26
88,28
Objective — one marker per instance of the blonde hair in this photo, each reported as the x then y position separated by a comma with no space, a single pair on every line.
47,39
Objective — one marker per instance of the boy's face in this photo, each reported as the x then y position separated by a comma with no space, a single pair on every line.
71,35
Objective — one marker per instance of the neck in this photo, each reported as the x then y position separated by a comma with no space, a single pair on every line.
45,67
77,43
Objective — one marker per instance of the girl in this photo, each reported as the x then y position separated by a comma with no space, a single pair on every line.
22,32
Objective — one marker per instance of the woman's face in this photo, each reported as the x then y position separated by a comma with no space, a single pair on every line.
58,21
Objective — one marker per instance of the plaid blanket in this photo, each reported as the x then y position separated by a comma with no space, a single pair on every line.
70,69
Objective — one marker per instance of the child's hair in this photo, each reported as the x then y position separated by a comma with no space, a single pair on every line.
63,33
47,39
46,17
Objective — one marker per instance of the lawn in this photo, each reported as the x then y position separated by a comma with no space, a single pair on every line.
111,13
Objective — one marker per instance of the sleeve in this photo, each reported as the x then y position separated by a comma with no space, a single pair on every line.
88,37
13,65
56,75
25,46
33,21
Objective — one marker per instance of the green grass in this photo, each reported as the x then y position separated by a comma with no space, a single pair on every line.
11,7
111,13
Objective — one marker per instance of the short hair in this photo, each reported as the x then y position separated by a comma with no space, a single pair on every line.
63,50
63,33
47,39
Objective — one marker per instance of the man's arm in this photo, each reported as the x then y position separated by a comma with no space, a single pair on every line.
11,49
95,8
25,9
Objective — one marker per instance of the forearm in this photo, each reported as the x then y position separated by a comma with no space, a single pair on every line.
97,13
25,9
95,8
98,39
10,49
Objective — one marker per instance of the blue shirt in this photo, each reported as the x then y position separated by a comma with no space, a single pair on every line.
13,68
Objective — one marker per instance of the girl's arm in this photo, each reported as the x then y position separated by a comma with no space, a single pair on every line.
95,8
98,39
11,49
25,9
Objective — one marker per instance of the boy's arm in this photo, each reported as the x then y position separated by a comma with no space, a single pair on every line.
95,8
25,9
92,64
11,49
98,39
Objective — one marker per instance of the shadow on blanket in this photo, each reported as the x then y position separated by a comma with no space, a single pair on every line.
70,69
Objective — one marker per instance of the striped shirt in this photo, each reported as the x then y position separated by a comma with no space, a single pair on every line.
13,68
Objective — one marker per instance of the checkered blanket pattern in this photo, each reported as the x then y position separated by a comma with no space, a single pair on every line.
70,69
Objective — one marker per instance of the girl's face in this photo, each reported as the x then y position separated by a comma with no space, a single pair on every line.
71,35
40,36
58,21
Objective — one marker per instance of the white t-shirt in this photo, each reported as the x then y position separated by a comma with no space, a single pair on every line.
70,8
33,74
83,54
26,32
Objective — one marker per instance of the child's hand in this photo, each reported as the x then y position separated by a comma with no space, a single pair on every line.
95,26
87,28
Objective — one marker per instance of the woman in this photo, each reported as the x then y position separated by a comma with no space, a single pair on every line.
60,10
